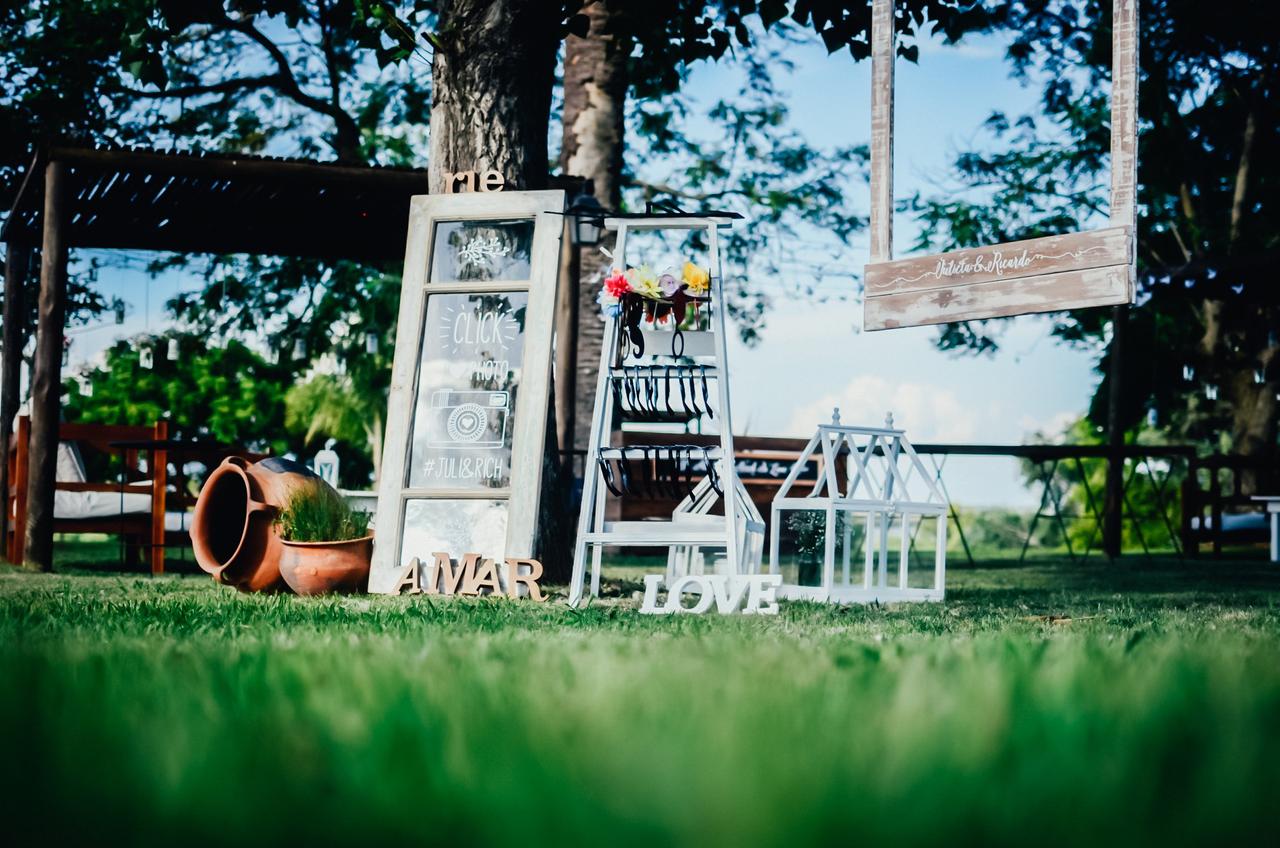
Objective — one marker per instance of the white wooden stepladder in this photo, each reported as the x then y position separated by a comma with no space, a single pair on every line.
740,531
884,480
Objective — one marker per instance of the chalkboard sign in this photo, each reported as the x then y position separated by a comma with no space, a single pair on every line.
467,413
468,384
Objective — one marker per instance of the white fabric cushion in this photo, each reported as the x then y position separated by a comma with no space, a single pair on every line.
70,464
177,522
1233,522
75,505
82,505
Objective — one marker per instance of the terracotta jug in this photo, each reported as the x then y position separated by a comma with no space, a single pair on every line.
233,530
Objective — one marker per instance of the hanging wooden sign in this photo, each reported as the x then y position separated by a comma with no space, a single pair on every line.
470,385
1070,271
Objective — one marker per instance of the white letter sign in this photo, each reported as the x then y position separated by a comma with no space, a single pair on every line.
751,594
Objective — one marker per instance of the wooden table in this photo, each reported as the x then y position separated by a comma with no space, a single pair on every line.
1272,503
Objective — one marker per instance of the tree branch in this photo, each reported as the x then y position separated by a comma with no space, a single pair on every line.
223,87
1242,181
650,189
288,85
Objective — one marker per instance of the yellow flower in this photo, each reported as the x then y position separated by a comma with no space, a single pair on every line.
644,282
697,279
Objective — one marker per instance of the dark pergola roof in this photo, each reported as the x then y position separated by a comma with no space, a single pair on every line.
219,203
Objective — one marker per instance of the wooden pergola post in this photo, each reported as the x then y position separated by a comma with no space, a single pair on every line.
15,338
567,341
46,374
1113,495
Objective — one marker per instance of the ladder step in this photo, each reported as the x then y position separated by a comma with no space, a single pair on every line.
663,372
696,343
662,451
685,532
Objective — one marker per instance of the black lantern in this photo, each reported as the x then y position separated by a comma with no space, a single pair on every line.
588,220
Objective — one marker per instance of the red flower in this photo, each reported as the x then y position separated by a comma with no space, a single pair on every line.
617,285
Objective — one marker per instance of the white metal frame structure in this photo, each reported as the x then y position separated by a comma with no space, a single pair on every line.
882,475
521,496
740,532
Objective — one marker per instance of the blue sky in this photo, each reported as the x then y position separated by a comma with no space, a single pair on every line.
813,357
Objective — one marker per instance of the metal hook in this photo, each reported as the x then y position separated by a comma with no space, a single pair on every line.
607,470
686,469
651,383
693,392
713,473
624,472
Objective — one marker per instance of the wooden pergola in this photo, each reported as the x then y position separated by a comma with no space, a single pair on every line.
170,202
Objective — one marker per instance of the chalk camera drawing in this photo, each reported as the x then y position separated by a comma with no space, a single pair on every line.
470,419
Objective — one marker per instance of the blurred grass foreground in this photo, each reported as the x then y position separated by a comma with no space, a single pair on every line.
1135,702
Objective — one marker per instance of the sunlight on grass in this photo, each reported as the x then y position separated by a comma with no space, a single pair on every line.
153,710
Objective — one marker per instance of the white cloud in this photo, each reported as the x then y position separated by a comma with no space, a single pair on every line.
1051,427
928,413
971,48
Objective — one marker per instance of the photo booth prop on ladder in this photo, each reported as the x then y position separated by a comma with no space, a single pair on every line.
666,372
870,479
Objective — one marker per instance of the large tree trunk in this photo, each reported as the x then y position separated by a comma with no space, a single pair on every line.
595,93
1254,412
492,76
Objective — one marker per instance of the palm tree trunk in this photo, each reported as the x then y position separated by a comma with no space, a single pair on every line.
595,93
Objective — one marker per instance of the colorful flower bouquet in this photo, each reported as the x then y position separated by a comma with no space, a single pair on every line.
638,294
655,291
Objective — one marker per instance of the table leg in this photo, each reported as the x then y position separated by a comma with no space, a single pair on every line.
1275,537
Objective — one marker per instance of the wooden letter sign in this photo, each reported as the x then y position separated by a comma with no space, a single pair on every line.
474,575
464,181
467,411
1037,275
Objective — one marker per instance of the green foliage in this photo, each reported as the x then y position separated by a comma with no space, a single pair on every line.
751,160
1152,505
230,394
328,405
1151,717
333,310
319,514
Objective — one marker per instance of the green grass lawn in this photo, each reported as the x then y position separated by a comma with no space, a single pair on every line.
171,711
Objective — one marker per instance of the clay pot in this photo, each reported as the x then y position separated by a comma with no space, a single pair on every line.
316,568
233,529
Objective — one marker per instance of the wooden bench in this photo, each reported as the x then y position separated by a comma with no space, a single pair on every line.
1215,498
140,527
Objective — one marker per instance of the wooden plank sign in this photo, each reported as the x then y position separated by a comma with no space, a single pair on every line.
1036,275
1051,274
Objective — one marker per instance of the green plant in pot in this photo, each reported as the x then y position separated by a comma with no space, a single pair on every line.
327,545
